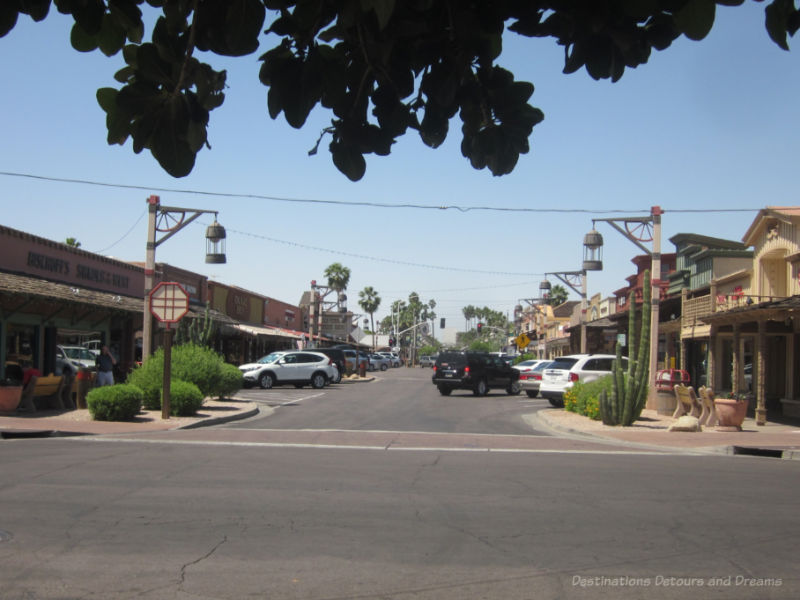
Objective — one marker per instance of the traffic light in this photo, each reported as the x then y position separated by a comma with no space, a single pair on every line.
441,323
480,326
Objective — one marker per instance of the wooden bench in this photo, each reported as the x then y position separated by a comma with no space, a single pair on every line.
47,392
688,404
709,416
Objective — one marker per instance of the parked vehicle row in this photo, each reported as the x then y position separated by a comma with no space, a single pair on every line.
318,367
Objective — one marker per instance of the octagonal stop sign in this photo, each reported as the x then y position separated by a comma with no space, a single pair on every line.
169,302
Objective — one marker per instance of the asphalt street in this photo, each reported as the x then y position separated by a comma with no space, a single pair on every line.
224,513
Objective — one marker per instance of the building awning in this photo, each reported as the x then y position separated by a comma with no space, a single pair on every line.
24,292
775,309
266,331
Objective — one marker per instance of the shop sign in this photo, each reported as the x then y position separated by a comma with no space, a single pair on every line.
238,305
60,266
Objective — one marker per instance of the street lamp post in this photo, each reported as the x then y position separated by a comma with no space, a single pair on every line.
573,279
169,220
639,230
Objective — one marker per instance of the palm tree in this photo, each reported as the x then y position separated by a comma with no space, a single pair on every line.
469,314
71,241
369,301
558,295
338,278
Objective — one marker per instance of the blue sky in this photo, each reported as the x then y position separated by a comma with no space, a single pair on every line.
710,125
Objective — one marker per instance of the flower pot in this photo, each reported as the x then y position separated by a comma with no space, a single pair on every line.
10,395
731,413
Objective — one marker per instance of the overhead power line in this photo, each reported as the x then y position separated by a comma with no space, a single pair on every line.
370,204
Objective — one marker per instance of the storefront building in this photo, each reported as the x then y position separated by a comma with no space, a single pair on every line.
52,294
755,319
249,335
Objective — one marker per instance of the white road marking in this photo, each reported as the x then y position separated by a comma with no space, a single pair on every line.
99,439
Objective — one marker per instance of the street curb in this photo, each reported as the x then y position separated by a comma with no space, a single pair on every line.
542,422
220,420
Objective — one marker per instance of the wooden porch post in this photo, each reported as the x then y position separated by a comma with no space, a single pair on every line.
737,359
761,387
713,353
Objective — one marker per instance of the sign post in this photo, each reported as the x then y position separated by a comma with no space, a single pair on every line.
169,302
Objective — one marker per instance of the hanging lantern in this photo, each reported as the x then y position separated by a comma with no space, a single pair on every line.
593,251
544,289
215,243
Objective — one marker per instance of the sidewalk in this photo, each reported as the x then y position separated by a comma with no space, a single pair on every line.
772,439
44,423
79,422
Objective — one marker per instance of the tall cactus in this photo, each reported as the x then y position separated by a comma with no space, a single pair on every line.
199,331
629,392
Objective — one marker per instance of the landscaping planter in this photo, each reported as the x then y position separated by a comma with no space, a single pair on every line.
10,396
731,413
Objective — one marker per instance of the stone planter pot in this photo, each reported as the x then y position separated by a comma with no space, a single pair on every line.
10,395
731,413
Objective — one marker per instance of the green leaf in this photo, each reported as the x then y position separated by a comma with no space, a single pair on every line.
777,20
383,11
243,24
152,67
8,17
111,38
107,99
168,144
82,41
696,18
349,161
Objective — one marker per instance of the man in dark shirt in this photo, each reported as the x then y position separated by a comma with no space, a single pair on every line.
105,364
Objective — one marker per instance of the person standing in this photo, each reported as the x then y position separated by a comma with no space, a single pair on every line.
105,364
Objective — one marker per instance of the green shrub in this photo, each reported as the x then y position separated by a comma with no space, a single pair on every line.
190,362
121,402
185,398
150,379
230,381
586,396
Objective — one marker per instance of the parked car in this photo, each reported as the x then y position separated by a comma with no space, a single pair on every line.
338,358
394,359
75,357
476,371
566,370
350,360
427,361
378,361
530,376
527,365
94,346
296,367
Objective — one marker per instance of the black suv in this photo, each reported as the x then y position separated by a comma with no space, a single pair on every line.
337,356
476,371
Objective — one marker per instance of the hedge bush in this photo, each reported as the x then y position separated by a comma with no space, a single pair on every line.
582,398
185,398
121,402
196,364
230,381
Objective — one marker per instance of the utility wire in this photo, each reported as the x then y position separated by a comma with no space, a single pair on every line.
127,233
375,258
365,203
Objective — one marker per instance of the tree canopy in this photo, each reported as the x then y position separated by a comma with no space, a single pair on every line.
381,67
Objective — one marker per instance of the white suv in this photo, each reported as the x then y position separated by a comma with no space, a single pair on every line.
298,368
564,371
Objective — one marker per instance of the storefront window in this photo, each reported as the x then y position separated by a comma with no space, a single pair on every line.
21,344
